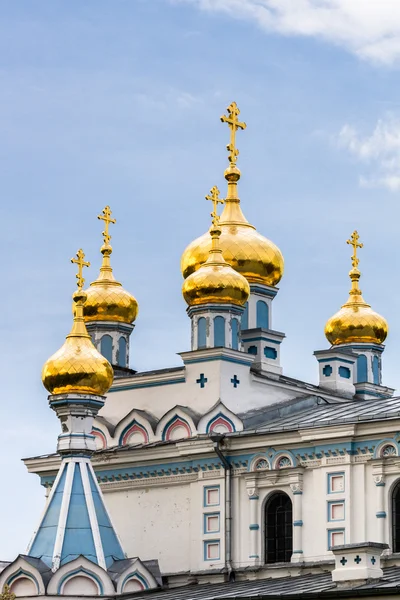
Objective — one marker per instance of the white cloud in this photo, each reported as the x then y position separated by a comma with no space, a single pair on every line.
379,151
368,28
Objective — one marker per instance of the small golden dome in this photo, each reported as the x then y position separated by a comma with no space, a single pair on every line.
77,367
247,251
107,300
215,282
356,322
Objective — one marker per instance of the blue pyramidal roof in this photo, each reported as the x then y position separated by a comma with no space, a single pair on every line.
76,521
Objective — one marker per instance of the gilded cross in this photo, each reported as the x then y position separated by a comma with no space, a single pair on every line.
81,263
353,241
215,199
106,217
234,125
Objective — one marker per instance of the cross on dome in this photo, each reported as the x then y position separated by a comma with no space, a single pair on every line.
215,199
106,217
353,241
234,125
81,263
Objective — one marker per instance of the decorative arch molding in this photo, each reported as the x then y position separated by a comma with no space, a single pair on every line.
137,424
260,462
177,423
21,569
283,460
387,448
133,428
220,420
134,576
101,440
81,567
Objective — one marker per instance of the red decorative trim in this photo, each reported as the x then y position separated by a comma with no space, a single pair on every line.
99,434
177,423
135,428
221,421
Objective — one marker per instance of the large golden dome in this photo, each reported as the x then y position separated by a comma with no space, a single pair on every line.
215,282
356,322
107,300
247,251
77,367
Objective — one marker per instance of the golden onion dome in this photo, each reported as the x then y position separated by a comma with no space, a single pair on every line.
77,367
215,282
107,300
356,322
247,251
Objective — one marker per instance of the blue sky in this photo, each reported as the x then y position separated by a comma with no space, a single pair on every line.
118,102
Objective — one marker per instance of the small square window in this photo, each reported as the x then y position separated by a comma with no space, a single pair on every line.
336,511
336,537
211,496
211,523
211,550
335,483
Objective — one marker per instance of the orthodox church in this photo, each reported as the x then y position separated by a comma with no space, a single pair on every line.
223,477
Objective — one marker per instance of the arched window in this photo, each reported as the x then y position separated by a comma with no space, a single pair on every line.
375,370
235,334
396,517
278,528
362,368
245,317
219,331
201,333
122,351
262,314
106,347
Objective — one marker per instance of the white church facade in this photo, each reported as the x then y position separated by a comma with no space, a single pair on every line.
224,470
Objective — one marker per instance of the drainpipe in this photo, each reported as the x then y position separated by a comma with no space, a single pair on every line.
216,439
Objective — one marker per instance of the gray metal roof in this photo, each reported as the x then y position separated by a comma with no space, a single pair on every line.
323,415
306,585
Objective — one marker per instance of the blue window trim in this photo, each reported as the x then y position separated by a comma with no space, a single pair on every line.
211,487
211,514
208,543
336,530
336,474
330,503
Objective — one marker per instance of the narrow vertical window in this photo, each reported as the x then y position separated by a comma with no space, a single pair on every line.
376,370
262,314
122,352
278,528
219,332
396,518
201,333
245,317
235,334
362,368
106,347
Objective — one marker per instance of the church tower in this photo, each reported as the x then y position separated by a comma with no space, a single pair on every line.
356,333
215,294
255,257
110,311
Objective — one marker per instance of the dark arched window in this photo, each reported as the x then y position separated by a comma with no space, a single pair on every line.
362,368
219,332
396,517
106,347
235,334
278,528
201,333
122,352
262,314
